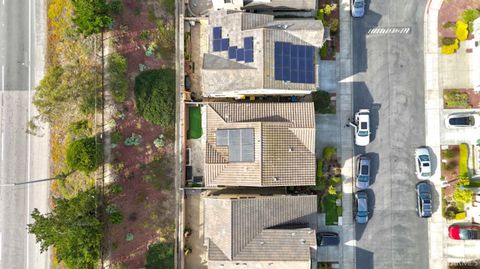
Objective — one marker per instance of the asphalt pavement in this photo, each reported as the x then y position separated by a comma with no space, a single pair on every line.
23,157
388,60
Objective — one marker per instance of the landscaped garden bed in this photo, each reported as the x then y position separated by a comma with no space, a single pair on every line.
328,13
460,98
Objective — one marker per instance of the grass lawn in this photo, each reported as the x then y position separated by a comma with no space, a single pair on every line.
463,162
330,209
195,123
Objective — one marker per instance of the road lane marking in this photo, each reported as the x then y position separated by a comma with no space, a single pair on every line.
388,30
3,78
27,264
0,246
2,144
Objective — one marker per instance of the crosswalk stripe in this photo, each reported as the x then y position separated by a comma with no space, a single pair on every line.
388,30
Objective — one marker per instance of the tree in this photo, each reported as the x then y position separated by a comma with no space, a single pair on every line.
91,16
160,255
84,155
155,96
72,228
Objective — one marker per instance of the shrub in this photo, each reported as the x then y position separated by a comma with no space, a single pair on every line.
79,128
335,180
332,190
115,6
144,35
116,188
460,216
155,96
329,152
450,49
159,142
462,31
449,24
333,25
450,212
160,255
321,100
320,183
463,161
456,99
116,137
339,211
165,39
114,214
462,195
448,40
84,154
448,153
323,51
319,168
469,15
117,68
320,16
91,16
133,140
450,166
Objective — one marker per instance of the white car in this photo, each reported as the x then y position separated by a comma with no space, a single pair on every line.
462,120
362,132
358,8
423,165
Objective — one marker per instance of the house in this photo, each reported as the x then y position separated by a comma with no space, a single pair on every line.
253,54
297,7
260,232
259,144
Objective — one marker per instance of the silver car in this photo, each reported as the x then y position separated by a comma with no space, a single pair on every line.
358,8
423,166
361,207
363,173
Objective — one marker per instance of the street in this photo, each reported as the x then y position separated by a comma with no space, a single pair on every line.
388,56
23,157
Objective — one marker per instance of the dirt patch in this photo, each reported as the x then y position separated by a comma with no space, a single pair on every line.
332,20
146,199
449,13
450,159
473,98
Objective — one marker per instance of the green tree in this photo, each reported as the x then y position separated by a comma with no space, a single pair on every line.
91,16
155,96
84,155
72,228
160,255
117,68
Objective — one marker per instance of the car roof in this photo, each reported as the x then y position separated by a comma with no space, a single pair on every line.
423,187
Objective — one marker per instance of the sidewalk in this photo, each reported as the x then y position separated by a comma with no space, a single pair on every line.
433,106
344,111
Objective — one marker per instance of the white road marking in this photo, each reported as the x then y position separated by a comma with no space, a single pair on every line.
3,144
0,246
27,253
388,30
3,78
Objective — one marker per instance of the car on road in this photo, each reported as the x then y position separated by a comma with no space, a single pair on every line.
423,165
361,207
424,199
363,172
362,121
358,8
327,239
462,120
464,232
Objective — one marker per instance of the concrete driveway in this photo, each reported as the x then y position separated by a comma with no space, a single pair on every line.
458,135
327,132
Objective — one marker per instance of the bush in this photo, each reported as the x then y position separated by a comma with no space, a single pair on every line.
448,153
321,100
329,153
333,25
335,180
463,161
323,51
91,16
319,168
144,35
462,31
320,183
84,155
116,6
456,99
155,96
133,140
117,68
332,190
448,40
320,16
79,128
339,211
116,137
468,16
160,255
450,212
460,216
450,49
462,195
165,39
116,188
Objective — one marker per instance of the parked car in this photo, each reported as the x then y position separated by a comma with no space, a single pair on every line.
362,121
423,166
363,172
327,239
462,120
424,199
464,232
358,8
361,207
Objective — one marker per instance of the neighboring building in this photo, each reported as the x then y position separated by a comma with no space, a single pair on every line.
475,60
260,144
253,54
280,6
276,232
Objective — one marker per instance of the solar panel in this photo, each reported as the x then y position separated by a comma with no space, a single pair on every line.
232,52
294,63
240,143
249,56
248,43
217,32
240,55
310,77
217,45
222,137
225,44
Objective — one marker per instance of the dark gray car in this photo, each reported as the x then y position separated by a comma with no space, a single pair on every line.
363,173
424,199
361,207
327,239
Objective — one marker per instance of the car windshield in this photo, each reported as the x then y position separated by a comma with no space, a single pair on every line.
464,234
425,174
362,133
363,178
358,4
423,158
364,170
362,214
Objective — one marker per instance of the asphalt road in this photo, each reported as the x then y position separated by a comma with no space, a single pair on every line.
22,157
389,65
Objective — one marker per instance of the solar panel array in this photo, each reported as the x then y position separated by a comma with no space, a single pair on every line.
239,142
234,52
294,63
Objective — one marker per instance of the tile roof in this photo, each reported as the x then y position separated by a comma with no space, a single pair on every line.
276,228
283,144
283,4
